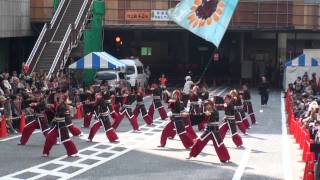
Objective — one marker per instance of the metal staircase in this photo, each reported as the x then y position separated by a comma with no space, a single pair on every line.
58,38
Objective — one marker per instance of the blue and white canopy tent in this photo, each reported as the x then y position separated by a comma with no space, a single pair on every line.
98,60
298,66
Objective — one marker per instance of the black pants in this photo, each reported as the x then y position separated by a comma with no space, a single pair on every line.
264,98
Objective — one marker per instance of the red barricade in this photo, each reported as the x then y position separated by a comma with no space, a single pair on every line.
3,127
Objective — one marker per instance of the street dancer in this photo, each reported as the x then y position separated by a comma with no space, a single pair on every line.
103,110
229,122
177,122
211,133
39,121
59,129
241,121
140,107
156,104
247,105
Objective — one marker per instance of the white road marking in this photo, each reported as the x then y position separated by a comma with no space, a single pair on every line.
286,163
96,155
243,164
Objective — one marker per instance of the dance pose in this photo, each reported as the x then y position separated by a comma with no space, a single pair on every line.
140,107
211,133
103,111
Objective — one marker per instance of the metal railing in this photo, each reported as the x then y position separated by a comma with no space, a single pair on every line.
81,20
58,13
35,50
63,52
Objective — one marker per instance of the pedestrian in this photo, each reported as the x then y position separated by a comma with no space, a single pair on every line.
264,92
187,89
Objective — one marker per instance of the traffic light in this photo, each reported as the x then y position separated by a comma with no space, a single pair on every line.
118,40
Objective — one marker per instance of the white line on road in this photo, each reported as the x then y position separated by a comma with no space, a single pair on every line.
243,164
285,144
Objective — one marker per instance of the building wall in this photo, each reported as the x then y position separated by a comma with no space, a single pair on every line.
14,18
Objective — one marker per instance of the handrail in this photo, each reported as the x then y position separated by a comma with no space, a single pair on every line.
55,16
79,26
84,5
61,48
36,46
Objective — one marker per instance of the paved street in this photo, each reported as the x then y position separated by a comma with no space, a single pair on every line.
137,157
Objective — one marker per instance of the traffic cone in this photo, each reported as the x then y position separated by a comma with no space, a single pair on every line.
79,112
3,127
22,122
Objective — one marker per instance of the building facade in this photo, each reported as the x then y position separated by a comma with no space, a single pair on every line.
262,34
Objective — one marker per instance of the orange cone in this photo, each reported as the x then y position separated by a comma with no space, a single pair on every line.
79,112
3,128
22,122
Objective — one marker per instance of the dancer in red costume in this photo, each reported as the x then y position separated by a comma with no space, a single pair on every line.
40,121
126,110
140,107
211,133
59,129
103,111
241,121
88,109
247,105
229,122
156,104
177,122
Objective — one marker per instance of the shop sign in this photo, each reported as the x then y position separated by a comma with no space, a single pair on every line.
159,15
137,15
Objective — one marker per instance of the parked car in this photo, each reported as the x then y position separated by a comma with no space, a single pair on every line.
135,72
114,78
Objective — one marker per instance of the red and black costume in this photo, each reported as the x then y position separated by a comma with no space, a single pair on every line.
230,123
211,133
74,130
118,100
140,107
241,121
176,122
103,111
156,104
126,110
196,110
39,122
59,129
247,105
88,107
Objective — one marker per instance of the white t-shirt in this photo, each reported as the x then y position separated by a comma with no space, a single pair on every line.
187,87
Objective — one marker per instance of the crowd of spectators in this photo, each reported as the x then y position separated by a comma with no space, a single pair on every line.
306,100
16,92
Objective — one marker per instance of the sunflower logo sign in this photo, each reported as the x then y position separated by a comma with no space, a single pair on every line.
208,19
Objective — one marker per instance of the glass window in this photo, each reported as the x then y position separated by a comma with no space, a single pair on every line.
140,69
130,70
105,76
121,76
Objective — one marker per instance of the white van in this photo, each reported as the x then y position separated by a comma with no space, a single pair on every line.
113,78
135,72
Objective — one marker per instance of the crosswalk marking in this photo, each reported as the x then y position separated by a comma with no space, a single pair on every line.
98,153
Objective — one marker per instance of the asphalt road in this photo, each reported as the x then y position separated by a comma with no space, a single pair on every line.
137,157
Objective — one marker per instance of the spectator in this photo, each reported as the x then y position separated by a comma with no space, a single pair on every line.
264,92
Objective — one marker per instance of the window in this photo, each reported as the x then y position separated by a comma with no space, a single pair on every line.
140,69
146,51
130,70
105,76
121,76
